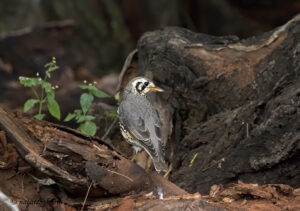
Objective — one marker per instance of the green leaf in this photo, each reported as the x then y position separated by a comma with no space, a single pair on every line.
88,128
86,102
89,118
39,116
29,82
69,117
80,119
88,87
53,107
48,88
78,112
48,74
49,64
29,104
52,68
99,93
94,90
83,118
117,96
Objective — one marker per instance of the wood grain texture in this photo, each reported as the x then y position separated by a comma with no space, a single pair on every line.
234,103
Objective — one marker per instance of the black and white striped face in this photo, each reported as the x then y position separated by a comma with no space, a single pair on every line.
141,86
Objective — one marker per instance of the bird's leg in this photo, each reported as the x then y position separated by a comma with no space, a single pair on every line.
169,171
135,156
148,163
137,152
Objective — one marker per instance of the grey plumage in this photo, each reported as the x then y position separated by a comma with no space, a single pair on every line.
139,121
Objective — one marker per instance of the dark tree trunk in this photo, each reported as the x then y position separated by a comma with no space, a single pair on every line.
232,105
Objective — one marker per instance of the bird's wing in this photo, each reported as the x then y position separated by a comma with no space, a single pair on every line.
157,130
133,118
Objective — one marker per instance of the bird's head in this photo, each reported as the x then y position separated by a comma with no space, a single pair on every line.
142,86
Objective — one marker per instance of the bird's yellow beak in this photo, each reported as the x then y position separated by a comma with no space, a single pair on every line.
156,89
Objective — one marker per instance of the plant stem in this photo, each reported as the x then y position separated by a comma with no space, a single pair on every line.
35,93
42,91
40,108
40,99
42,96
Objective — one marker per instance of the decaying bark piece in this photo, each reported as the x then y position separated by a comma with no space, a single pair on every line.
252,197
148,202
73,161
231,104
185,202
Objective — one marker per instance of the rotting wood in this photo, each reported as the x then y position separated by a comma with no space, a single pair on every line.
69,153
74,162
41,144
233,102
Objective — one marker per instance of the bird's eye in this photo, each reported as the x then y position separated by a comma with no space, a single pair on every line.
137,86
146,83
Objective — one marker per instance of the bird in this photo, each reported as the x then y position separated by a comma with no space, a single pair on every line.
139,121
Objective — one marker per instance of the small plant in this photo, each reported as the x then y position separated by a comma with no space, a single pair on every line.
86,99
45,94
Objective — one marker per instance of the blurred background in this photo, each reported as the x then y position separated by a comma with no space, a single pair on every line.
105,31
91,39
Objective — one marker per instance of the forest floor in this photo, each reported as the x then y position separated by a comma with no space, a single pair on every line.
31,193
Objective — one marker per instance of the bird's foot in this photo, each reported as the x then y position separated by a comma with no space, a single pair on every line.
148,163
168,172
135,156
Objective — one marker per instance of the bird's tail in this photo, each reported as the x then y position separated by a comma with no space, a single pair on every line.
160,165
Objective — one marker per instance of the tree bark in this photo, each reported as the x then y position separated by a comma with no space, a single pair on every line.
231,107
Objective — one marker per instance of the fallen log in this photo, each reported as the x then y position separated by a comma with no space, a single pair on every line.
72,159
84,165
